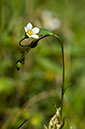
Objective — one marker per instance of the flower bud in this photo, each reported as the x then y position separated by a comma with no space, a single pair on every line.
18,65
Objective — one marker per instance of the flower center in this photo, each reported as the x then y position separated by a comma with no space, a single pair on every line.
30,32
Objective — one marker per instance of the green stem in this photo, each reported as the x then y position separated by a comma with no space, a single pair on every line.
21,41
63,75
22,124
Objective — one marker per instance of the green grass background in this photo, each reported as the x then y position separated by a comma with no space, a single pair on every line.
31,92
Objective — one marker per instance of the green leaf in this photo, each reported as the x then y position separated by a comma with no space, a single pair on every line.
45,31
68,122
67,86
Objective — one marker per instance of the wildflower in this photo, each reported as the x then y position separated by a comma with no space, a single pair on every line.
31,32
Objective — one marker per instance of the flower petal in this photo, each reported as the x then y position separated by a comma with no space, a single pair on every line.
25,29
28,35
35,30
29,26
35,36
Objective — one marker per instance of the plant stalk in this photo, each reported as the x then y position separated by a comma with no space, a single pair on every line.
63,75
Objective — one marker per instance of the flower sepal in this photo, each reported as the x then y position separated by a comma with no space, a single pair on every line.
34,44
45,32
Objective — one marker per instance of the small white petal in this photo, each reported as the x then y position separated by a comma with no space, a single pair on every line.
25,29
35,30
35,36
28,35
29,26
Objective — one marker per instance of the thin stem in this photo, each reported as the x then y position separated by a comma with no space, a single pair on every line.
21,44
43,37
62,57
22,124
63,75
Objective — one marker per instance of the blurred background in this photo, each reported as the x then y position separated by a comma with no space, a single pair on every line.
31,92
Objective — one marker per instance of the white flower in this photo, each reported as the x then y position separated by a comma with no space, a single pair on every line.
31,32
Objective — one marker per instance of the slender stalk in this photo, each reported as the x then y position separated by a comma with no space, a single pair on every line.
63,75
22,124
21,41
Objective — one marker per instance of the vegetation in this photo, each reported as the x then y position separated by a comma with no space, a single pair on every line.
28,96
